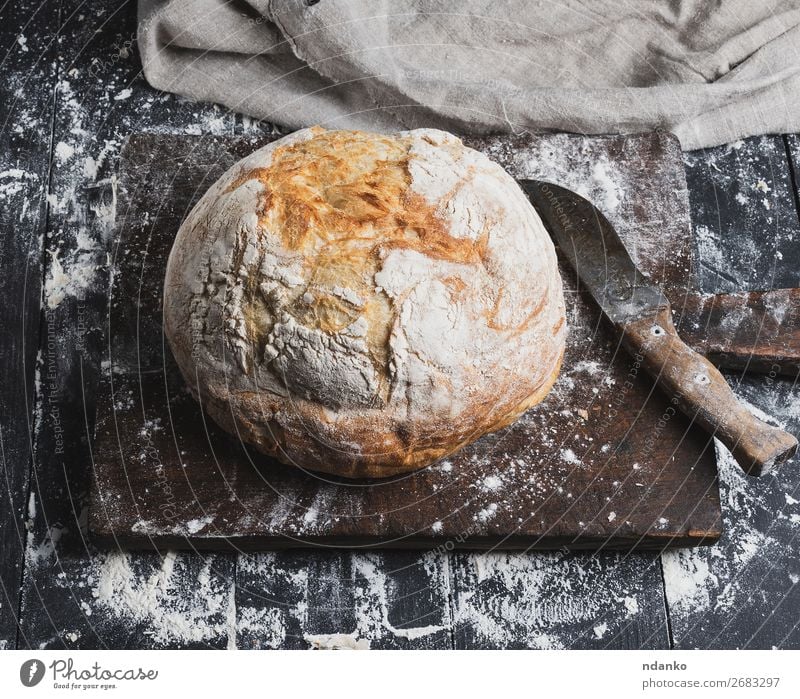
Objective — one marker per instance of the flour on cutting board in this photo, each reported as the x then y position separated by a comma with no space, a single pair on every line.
572,163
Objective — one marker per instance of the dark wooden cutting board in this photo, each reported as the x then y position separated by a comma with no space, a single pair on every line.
604,462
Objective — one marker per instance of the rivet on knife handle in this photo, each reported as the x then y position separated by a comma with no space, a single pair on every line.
702,393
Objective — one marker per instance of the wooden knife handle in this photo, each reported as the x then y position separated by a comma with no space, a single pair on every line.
702,393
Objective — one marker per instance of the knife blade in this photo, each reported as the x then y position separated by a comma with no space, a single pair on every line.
641,313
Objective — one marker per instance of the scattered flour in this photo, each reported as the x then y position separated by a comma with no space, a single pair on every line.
173,609
492,482
590,367
74,277
762,186
14,181
606,181
488,512
632,605
708,585
64,151
366,589
537,600
372,602
337,641
688,580
195,525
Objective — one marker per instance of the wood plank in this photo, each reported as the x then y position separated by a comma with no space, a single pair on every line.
90,600
745,220
340,599
526,486
749,330
74,596
742,592
558,600
26,114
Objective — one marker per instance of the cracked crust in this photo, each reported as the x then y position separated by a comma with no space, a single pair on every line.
362,304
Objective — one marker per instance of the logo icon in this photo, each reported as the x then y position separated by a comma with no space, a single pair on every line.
31,672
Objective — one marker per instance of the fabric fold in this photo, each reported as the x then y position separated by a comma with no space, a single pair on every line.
710,71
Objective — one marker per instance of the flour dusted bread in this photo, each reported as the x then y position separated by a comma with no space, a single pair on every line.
363,304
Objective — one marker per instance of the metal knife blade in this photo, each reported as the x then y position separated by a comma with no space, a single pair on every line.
596,253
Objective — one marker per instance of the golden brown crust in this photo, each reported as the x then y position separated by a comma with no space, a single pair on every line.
363,305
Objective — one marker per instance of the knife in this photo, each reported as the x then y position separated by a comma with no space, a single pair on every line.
641,313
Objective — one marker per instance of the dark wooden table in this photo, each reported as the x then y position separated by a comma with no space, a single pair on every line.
71,90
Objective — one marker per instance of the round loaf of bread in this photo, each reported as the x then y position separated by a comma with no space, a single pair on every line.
364,304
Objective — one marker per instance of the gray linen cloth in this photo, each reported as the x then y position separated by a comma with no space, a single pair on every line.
711,71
